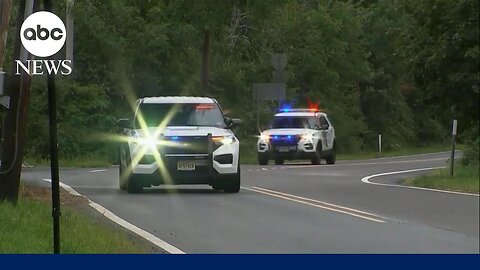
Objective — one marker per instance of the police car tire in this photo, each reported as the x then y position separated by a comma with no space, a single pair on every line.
122,183
234,186
279,161
133,186
317,158
122,178
332,157
262,159
129,182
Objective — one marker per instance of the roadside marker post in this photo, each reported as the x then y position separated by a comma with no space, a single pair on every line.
379,144
452,155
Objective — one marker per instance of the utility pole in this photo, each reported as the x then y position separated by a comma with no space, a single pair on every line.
69,26
52,119
13,137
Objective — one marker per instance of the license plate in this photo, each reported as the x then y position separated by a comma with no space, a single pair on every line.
186,165
286,148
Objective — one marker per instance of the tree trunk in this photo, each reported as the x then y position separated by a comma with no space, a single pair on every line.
13,137
6,7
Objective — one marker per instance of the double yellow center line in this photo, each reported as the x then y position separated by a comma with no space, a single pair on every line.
318,204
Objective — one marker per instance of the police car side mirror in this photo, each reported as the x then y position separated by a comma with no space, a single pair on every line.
324,126
236,122
228,122
124,123
232,122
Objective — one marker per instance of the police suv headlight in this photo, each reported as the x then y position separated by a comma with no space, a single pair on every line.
223,140
265,138
149,141
307,137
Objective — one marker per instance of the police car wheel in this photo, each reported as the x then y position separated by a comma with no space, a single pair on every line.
332,157
262,159
122,168
234,185
317,158
133,186
279,161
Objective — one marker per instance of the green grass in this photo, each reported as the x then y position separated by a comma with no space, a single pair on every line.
96,161
401,152
248,150
27,228
466,178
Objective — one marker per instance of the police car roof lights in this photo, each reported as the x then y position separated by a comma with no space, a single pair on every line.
299,110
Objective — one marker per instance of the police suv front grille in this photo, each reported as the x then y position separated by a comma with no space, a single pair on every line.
284,140
185,145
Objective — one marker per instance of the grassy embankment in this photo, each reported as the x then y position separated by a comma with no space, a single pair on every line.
27,228
97,161
466,178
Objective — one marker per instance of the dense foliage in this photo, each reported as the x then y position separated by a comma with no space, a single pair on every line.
390,67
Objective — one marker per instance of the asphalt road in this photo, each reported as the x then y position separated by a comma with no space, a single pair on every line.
295,208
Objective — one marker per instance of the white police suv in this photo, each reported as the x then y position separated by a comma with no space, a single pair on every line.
298,134
179,140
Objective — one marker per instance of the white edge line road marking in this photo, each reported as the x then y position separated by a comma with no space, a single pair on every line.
67,188
416,155
317,201
94,171
314,205
366,179
369,163
146,235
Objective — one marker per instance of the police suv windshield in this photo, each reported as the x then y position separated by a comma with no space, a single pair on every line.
184,114
294,122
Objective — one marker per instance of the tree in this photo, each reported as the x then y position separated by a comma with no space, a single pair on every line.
443,50
383,94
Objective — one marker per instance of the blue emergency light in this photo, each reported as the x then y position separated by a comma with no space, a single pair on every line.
286,108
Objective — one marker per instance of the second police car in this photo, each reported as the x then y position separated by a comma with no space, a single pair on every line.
298,134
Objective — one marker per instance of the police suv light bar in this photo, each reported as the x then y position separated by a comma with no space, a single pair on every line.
298,110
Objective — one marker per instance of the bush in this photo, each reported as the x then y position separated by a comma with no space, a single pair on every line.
471,154
82,116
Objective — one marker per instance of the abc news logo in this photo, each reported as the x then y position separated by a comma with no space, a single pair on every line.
43,34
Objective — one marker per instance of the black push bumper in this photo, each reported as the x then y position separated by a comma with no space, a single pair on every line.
169,174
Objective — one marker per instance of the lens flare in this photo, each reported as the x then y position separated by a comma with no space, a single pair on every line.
307,137
264,137
147,140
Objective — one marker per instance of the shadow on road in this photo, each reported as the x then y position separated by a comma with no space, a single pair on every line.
180,190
